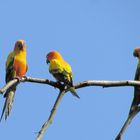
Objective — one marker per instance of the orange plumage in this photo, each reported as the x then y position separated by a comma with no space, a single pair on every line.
16,66
61,70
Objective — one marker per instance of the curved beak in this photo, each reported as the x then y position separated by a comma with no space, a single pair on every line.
47,60
135,54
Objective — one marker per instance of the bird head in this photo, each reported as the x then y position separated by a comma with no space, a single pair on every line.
53,55
136,52
20,45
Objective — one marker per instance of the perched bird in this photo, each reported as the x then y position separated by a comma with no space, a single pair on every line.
134,109
16,67
136,99
61,70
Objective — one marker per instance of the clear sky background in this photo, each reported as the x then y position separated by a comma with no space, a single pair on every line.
97,38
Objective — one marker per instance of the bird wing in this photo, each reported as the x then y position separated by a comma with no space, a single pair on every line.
137,75
10,73
56,67
68,72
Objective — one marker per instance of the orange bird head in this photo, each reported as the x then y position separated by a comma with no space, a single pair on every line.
20,45
136,52
53,55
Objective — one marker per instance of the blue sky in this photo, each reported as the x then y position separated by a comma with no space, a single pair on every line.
97,38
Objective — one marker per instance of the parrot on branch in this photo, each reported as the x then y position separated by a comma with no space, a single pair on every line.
61,70
134,109
16,67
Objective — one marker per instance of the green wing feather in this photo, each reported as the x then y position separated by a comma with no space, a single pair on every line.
136,99
137,75
63,73
10,93
10,73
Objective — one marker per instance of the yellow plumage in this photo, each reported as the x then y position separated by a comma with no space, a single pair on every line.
61,70
59,66
16,66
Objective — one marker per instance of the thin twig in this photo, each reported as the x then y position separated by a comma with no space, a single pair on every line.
53,111
127,122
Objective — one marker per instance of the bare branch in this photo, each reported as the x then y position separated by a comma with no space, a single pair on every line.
8,85
53,111
29,79
127,122
60,86
104,83
88,83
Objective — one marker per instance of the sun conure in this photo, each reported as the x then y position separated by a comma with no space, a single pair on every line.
16,67
61,70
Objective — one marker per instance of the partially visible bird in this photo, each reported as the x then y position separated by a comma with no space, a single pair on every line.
136,99
61,70
134,109
16,67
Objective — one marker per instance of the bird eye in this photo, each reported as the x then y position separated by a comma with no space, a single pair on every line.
20,46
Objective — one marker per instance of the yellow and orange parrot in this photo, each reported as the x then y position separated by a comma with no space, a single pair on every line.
16,67
61,70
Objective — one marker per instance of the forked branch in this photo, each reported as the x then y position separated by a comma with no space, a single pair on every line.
60,86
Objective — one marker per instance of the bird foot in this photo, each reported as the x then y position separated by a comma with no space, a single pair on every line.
24,77
61,85
18,78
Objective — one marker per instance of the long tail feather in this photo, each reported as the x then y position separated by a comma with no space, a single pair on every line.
3,110
72,90
8,104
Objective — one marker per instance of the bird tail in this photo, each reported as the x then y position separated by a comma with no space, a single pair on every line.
72,89
136,101
73,92
8,103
